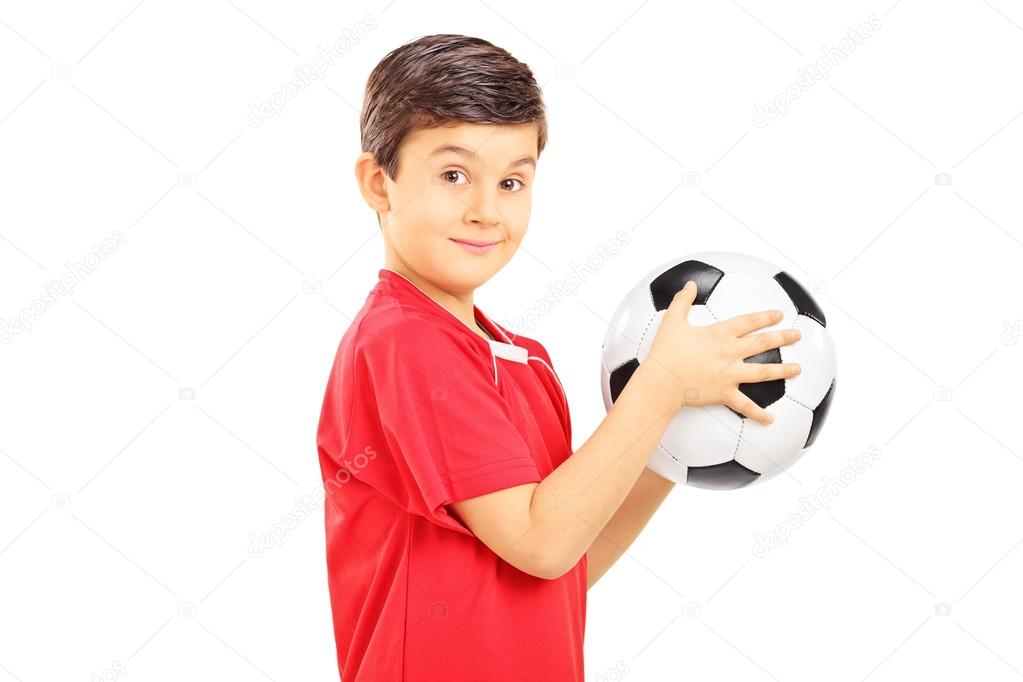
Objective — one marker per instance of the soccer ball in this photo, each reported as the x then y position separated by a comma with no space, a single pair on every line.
714,446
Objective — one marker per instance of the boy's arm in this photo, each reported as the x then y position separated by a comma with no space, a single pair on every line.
625,526
545,528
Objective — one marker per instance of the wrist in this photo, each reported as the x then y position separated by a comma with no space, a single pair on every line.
659,384
656,480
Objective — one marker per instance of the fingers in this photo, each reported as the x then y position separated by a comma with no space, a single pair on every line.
768,371
758,343
683,299
740,325
742,404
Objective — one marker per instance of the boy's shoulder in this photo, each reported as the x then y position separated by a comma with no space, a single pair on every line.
389,324
395,317
387,317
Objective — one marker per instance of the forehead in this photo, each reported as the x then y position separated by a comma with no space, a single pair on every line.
498,143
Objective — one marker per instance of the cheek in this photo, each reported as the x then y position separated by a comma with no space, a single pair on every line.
517,223
423,210
517,212
438,206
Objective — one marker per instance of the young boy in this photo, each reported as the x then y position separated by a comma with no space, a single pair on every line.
462,531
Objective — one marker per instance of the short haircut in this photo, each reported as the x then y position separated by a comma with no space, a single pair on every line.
445,78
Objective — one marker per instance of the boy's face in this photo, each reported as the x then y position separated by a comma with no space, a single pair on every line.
442,194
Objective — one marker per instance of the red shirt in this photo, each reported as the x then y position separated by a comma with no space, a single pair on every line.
420,411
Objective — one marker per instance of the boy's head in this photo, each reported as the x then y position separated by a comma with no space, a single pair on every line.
450,91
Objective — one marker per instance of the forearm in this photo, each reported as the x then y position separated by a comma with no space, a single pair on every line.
626,524
576,501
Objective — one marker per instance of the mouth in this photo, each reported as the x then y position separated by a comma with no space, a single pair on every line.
473,242
474,246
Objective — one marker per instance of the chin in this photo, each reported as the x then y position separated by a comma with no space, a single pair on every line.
465,278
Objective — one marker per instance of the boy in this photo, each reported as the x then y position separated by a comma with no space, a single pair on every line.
462,531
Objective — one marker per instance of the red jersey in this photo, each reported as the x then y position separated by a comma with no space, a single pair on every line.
420,411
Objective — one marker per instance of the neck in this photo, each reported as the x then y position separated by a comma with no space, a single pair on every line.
459,305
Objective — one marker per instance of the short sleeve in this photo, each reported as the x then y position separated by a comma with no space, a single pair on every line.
449,434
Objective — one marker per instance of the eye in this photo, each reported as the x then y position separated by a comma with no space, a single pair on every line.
521,184
446,174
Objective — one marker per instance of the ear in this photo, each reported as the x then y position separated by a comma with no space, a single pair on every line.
371,179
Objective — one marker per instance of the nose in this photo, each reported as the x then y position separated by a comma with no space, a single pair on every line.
482,207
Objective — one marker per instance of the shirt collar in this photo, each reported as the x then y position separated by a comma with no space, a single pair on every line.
395,281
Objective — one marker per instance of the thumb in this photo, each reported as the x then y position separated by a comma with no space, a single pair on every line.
682,301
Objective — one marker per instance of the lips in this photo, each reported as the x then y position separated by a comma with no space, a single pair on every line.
473,242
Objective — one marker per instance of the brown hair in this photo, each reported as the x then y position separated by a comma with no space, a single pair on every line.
440,79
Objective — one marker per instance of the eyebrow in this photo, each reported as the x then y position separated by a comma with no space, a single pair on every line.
462,151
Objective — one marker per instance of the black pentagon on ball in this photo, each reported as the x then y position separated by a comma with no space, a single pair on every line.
671,281
620,376
726,476
801,298
763,393
820,413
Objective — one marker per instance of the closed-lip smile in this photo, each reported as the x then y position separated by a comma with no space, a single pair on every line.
473,242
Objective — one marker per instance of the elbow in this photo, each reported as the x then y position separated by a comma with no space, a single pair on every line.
551,568
538,568
535,564
555,574
546,572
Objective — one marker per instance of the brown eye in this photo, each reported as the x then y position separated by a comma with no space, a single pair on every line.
521,184
447,175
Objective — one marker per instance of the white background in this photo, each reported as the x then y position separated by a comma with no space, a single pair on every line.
161,412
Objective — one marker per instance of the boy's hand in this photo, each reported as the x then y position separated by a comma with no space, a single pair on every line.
705,365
